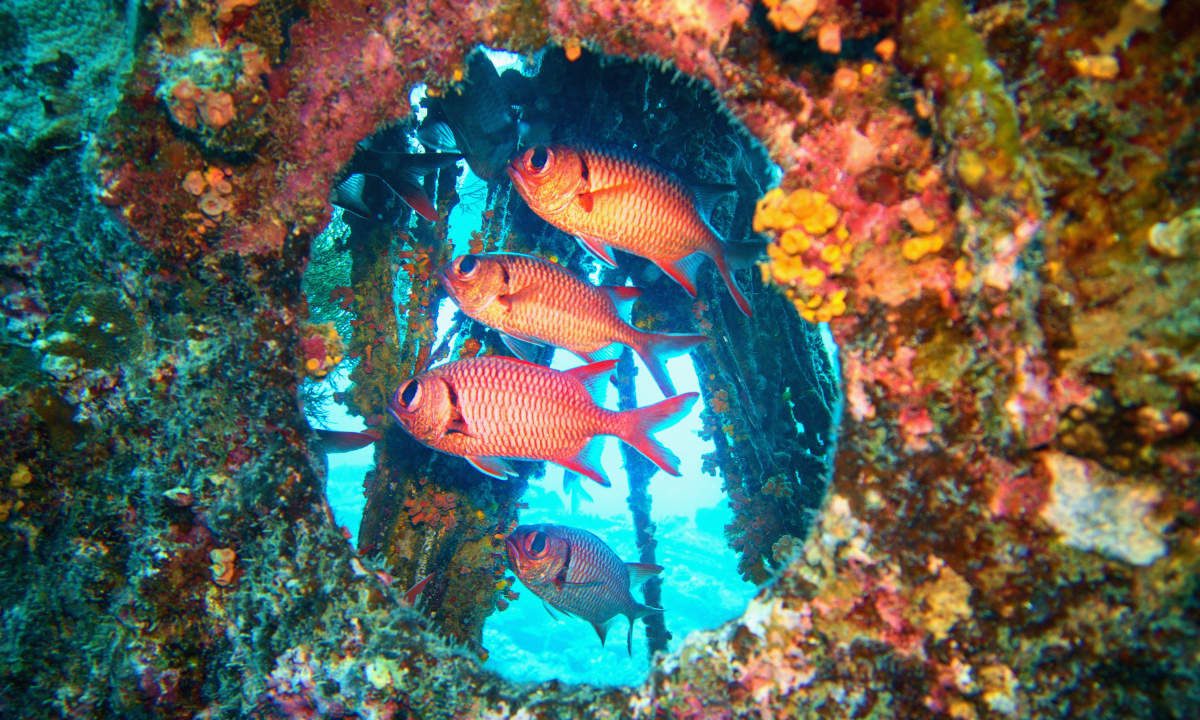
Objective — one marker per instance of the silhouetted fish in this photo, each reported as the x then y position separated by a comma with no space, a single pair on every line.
490,409
576,572
340,441
530,300
402,172
477,114
611,197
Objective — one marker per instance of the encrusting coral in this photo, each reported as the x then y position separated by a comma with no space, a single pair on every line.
999,201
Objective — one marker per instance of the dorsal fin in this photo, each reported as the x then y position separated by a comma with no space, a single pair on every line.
594,376
641,572
623,298
709,194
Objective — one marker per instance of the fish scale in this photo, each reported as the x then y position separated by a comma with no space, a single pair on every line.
533,300
494,396
628,222
590,324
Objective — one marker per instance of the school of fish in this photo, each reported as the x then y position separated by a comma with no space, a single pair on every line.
494,410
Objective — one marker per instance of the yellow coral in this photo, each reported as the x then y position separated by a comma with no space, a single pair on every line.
813,210
795,241
769,213
918,247
971,168
813,276
962,276
20,477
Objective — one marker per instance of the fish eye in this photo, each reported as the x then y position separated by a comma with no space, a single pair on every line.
467,265
537,544
538,158
406,397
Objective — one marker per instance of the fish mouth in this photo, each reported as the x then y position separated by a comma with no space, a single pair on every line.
514,174
443,276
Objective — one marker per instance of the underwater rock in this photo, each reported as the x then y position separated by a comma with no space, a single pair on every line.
996,381
1094,513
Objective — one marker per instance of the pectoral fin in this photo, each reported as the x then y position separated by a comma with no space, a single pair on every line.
587,198
497,467
522,348
599,250
683,270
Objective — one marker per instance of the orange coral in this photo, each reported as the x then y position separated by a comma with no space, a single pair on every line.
790,15
226,9
321,350
435,511
218,110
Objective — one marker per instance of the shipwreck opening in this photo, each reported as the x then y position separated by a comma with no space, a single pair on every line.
755,452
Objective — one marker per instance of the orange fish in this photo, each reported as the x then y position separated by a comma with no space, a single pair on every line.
614,198
576,572
491,409
530,300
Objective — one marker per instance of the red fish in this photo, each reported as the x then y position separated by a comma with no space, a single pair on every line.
576,572
531,300
490,409
614,198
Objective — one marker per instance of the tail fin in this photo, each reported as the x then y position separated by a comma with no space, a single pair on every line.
655,350
636,426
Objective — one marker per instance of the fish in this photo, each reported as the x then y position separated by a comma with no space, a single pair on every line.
340,441
530,301
493,409
400,172
610,197
475,117
370,198
576,572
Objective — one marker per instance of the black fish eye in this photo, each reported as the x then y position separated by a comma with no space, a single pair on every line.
538,157
467,264
537,545
408,393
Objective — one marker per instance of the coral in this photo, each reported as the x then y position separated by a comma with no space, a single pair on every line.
862,180
219,94
321,349
1093,512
